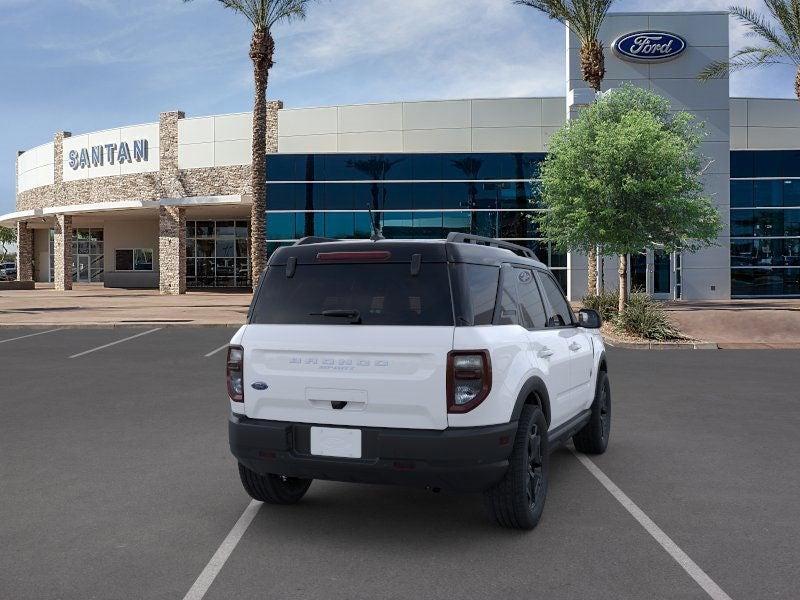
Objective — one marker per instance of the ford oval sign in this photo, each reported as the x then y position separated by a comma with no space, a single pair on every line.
649,46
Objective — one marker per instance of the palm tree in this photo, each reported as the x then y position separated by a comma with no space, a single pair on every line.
584,19
263,15
780,42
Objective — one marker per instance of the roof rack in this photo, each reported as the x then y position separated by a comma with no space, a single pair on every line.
314,240
465,238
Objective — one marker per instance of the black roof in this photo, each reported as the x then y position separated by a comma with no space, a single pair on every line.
453,249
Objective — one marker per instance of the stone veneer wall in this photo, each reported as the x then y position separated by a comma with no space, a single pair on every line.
172,250
24,252
62,250
169,182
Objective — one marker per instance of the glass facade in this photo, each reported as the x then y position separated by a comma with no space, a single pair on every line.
412,195
765,223
217,254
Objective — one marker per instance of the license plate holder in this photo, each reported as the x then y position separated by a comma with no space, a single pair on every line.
336,441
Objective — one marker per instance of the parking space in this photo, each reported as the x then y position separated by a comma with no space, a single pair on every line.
117,483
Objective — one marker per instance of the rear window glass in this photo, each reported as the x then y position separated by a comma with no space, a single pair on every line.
476,293
380,294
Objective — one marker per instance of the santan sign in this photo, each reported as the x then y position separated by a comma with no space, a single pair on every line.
649,46
97,156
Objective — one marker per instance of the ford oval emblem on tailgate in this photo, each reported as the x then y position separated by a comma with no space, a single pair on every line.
259,385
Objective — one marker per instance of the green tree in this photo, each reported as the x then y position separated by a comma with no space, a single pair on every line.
584,19
778,37
263,15
7,236
626,175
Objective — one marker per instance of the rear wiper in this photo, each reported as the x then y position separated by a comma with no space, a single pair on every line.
353,315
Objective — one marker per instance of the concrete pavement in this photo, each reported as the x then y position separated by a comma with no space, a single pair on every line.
118,483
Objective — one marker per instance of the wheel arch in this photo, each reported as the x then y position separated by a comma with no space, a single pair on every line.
534,391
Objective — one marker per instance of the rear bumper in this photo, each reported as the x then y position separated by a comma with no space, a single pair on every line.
461,460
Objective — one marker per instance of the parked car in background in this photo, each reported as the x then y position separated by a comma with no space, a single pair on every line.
455,365
8,271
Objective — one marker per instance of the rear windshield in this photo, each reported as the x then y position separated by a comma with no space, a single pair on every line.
369,294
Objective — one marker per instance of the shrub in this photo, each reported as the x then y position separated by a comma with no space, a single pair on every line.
605,303
646,318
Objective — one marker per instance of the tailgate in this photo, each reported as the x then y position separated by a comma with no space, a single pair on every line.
370,376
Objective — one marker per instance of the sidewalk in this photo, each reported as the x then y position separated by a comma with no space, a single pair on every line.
740,323
90,305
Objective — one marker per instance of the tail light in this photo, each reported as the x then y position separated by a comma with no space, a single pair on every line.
235,373
469,379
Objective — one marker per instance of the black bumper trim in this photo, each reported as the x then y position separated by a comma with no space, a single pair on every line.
467,459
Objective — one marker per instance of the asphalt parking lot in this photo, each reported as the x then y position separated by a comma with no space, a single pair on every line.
116,482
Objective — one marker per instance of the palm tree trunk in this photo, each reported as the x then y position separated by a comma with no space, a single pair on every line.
593,70
797,84
593,67
261,52
623,282
591,282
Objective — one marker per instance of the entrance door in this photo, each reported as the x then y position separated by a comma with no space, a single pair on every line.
83,268
662,271
650,272
639,272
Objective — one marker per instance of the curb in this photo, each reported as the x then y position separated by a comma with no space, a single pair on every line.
662,345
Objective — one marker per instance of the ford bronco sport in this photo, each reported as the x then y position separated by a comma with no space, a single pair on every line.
455,365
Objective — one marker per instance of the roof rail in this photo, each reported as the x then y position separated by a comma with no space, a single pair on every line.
465,238
313,240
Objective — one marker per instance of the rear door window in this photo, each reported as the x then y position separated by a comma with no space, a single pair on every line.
508,312
379,294
560,313
476,293
530,300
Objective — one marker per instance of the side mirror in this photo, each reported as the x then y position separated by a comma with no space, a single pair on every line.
590,319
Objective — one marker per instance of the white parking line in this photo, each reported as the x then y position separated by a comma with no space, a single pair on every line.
213,352
695,572
209,574
115,343
22,337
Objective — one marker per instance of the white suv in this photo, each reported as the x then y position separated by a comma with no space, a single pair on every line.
454,365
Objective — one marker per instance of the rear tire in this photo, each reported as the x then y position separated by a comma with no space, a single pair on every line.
518,500
593,438
273,489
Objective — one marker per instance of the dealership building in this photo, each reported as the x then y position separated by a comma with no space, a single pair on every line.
167,204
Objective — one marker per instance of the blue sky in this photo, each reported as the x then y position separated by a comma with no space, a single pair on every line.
84,65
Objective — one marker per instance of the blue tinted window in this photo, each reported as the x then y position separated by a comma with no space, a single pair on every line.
742,223
282,196
311,196
399,196
426,195
791,222
398,225
340,196
363,228
768,163
791,163
458,221
485,224
768,193
455,195
339,225
460,166
791,192
741,194
281,167
308,224
765,282
426,166
428,225
280,226
742,164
